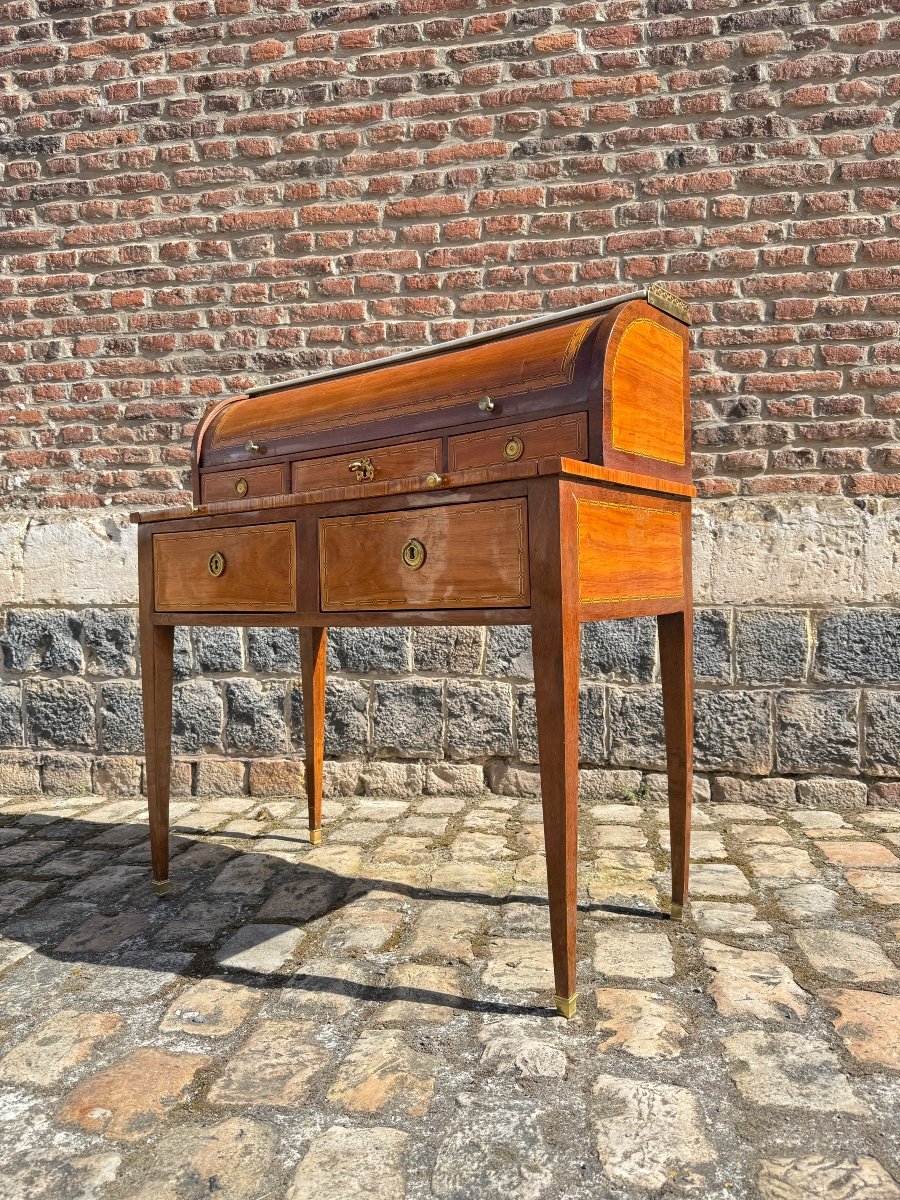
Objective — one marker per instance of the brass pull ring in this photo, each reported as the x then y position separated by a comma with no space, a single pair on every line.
363,469
242,487
413,554
513,449
216,564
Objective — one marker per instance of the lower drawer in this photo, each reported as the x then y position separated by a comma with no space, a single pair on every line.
243,485
366,466
565,437
449,556
246,568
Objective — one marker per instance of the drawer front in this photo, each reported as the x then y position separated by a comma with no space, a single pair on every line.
450,556
247,568
563,436
375,465
243,485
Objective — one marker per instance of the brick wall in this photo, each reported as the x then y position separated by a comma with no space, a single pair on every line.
200,196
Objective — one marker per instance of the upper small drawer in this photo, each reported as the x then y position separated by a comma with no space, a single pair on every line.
562,436
248,484
366,466
245,568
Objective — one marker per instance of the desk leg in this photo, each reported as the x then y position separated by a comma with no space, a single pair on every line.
157,645
313,647
675,657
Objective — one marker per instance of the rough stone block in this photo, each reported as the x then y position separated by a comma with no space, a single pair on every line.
117,776
66,775
621,650
881,795
508,652
46,640
346,717
712,644
408,718
636,734
727,790
591,725
11,728
220,777
771,647
448,650
508,780
274,651
881,733
121,718
255,716
60,713
277,777
362,651
831,793
733,732
182,655
182,777
19,775
110,635
217,650
816,730
859,645
196,717
479,719
391,779
454,779
597,787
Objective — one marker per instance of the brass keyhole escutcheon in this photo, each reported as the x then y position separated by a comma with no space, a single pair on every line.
242,487
216,564
363,469
513,449
413,554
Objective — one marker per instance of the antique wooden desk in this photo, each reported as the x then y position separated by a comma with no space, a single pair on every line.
538,474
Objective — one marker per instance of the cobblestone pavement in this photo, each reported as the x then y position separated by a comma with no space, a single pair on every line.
373,1017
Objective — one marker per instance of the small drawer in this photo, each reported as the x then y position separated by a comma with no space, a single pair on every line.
245,568
449,556
248,484
366,466
562,436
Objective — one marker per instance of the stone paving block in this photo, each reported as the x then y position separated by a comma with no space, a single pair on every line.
446,928
789,1070
734,920
649,1134
231,1160
127,1100
804,900
641,1023
422,994
332,1165
878,887
718,881
869,1026
517,1047
275,1067
846,957
260,949
518,966
382,1071
819,1177
622,950
100,934
211,1008
858,854
363,928
778,866
752,984
492,1148
67,1039
51,1175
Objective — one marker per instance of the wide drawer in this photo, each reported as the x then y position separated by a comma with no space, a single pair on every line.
243,485
246,568
562,436
366,466
449,556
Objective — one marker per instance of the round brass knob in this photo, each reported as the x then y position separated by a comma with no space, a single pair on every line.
434,480
486,404
242,487
252,447
513,449
216,564
413,554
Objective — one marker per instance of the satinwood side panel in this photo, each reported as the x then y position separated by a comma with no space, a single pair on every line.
647,392
628,551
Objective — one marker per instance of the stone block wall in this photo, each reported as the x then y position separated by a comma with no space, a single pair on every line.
200,195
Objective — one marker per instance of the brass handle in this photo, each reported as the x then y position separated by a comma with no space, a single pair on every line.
252,447
242,487
216,564
363,469
513,449
486,404
413,554
434,480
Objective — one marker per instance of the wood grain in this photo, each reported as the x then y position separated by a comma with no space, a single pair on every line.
563,436
390,463
313,651
476,555
260,570
157,657
268,480
647,392
628,550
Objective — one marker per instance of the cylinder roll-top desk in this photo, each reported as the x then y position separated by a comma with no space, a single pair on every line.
537,474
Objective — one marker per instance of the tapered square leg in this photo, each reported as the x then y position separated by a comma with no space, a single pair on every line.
157,647
676,667
313,648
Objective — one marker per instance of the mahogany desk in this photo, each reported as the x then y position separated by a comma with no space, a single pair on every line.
535,475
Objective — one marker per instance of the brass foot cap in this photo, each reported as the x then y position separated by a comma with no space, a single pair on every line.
315,837
676,911
566,1005
161,887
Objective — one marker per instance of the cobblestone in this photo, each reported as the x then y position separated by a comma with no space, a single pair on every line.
374,1016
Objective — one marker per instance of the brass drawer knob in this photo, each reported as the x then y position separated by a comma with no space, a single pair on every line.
434,480
242,487
513,449
413,554
216,564
252,447
363,469
486,404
